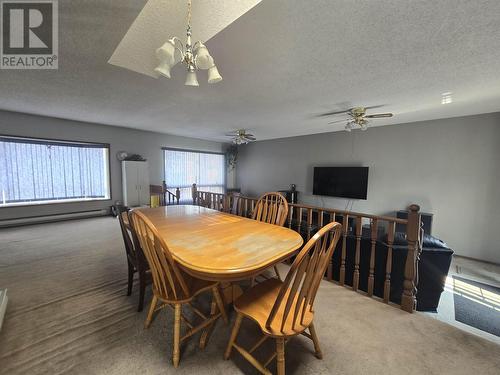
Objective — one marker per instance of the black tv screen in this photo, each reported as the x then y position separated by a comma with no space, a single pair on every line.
344,182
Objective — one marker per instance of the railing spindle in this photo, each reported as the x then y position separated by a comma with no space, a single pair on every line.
299,220
371,275
355,282
388,265
329,272
345,228
309,223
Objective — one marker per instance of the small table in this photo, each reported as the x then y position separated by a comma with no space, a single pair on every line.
214,245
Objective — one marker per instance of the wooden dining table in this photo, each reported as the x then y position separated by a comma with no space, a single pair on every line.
219,246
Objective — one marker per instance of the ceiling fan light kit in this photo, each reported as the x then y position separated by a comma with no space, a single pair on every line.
241,137
357,116
195,57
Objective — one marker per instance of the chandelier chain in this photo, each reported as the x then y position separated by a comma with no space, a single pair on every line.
189,14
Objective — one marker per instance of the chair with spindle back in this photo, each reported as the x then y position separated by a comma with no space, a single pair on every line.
271,208
172,286
285,309
135,259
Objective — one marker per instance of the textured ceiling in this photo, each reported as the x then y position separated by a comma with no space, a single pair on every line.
283,61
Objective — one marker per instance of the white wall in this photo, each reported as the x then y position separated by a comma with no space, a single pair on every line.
450,167
147,144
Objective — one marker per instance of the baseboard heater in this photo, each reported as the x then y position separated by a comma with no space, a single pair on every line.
3,305
50,218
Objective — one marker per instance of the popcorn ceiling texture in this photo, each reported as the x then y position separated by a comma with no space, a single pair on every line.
283,61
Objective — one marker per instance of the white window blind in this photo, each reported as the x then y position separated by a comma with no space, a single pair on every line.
184,168
45,171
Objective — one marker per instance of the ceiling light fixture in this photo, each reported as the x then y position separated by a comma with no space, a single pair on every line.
194,56
446,98
357,117
241,137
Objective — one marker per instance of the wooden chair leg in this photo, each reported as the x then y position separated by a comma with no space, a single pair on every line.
220,304
142,291
207,331
151,312
314,336
277,273
253,282
234,334
130,278
177,335
280,356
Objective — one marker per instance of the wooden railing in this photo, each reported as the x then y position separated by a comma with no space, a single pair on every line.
166,197
306,220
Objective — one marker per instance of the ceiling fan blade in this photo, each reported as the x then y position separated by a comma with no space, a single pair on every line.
379,115
333,113
336,122
250,138
375,106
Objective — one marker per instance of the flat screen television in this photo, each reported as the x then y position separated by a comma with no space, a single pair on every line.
343,182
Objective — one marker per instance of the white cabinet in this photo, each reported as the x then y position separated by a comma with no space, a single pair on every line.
135,180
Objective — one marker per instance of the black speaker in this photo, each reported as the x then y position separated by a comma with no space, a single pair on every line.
426,219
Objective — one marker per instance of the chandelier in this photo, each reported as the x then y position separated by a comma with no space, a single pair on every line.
195,57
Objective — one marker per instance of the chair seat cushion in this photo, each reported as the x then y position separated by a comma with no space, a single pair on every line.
257,302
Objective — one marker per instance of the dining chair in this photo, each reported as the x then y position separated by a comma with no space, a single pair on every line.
135,258
285,309
271,208
172,287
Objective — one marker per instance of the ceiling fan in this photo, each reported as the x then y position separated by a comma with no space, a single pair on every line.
357,116
241,136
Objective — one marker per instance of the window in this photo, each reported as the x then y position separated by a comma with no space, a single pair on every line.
34,171
184,168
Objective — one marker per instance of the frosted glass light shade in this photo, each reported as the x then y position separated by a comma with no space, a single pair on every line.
213,75
203,59
191,79
163,69
166,52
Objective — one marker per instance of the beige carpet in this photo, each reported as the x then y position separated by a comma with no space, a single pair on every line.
68,313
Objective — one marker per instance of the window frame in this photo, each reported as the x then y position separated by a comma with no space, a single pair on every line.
61,142
197,152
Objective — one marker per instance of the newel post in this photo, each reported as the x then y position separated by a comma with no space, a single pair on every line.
408,299
163,194
194,193
177,195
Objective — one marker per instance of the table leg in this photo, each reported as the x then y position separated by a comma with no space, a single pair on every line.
229,291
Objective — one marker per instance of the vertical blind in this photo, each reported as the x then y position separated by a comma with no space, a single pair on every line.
33,170
184,168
